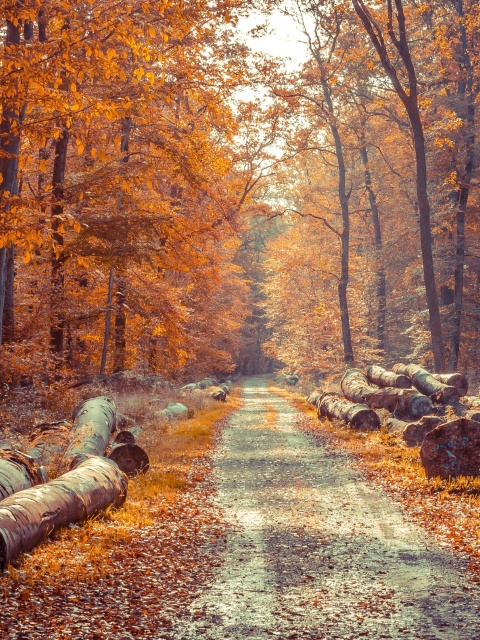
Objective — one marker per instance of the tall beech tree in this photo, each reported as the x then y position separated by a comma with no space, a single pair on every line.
396,31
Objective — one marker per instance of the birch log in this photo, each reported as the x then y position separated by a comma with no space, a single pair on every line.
94,422
17,472
413,433
383,378
427,384
31,515
359,416
456,380
356,388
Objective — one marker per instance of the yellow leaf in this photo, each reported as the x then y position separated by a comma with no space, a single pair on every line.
152,32
150,77
111,53
80,148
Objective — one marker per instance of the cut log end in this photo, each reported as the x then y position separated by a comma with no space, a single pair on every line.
366,420
124,437
131,459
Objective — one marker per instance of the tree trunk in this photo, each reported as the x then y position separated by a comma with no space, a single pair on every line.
3,283
343,198
130,458
409,98
18,472
466,111
383,378
355,387
120,327
108,321
9,304
57,276
456,380
377,231
94,422
49,446
359,416
31,515
428,385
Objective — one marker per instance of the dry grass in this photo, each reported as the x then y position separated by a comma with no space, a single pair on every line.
84,552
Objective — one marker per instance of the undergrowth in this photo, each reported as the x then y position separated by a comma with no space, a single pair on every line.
84,552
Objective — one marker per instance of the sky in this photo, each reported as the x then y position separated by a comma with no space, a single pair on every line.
283,39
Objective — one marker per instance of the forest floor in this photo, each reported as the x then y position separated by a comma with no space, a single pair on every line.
263,526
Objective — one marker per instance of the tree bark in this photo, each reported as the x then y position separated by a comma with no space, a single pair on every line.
466,111
456,380
31,515
9,304
343,198
409,98
108,321
377,232
94,422
130,458
57,276
427,384
359,416
49,446
452,449
413,433
17,472
120,327
355,387
383,378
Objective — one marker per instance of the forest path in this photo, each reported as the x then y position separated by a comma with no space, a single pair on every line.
316,552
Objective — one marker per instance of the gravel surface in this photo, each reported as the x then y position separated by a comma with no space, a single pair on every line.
314,551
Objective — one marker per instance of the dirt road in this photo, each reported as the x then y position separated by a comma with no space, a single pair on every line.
314,551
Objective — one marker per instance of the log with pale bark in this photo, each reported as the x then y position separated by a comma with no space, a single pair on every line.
427,384
31,515
359,416
456,380
383,378
413,433
50,442
356,388
94,423
131,459
17,472
314,397
452,449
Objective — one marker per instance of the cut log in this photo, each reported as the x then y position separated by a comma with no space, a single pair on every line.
359,416
124,437
413,433
452,449
473,414
94,422
31,515
17,472
427,384
356,388
383,378
131,459
456,380
49,445
314,397
218,394
176,410
123,423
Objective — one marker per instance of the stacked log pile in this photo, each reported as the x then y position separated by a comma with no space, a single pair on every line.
31,507
420,403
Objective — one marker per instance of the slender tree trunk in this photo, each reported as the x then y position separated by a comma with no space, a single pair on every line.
3,278
120,326
108,322
57,276
345,234
466,111
377,231
9,304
